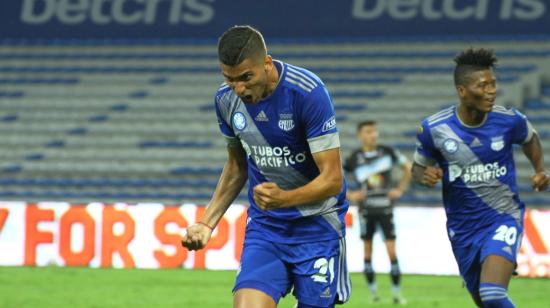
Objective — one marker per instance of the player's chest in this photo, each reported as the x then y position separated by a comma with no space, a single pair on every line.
378,161
268,124
465,146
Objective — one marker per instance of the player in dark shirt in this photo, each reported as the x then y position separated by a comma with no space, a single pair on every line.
370,168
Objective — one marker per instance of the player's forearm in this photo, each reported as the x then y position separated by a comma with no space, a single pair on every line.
322,187
229,186
533,151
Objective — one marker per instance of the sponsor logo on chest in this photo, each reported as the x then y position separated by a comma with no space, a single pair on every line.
477,173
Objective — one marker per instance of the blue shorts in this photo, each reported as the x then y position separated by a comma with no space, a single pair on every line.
501,239
317,271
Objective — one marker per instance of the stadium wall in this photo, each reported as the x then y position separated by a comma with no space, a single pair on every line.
312,19
148,236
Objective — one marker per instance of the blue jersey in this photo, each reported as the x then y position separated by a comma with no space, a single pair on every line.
479,181
279,135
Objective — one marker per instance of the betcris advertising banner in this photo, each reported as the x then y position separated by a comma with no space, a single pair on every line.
206,19
148,236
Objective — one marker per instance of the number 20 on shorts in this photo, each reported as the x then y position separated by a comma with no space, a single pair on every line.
506,234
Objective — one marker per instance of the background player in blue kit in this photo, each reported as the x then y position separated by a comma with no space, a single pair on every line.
370,168
281,134
472,146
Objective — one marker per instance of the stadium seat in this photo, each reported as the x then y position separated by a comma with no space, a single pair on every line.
115,120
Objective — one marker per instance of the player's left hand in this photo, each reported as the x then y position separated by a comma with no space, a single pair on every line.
395,194
540,181
269,196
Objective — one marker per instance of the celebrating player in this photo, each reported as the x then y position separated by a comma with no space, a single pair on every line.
471,144
371,168
281,134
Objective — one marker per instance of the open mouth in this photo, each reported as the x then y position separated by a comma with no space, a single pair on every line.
247,98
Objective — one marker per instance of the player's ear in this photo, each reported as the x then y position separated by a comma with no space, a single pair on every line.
268,63
461,90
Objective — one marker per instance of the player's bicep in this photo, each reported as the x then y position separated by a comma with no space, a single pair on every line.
317,114
425,153
523,129
225,128
329,162
406,167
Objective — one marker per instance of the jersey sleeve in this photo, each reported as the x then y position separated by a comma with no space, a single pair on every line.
523,130
319,120
225,129
426,153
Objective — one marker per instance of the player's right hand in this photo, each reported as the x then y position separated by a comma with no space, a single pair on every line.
196,237
540,181
431,176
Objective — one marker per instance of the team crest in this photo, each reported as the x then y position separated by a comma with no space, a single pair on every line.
239,120
497,143
286,122
450,146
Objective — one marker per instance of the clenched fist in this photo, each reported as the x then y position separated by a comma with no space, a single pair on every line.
269,196
540,181
431,176
197,236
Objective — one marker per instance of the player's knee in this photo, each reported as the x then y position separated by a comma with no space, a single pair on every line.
252,298
494,296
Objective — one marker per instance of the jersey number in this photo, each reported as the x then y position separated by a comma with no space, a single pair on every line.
324,266
506,234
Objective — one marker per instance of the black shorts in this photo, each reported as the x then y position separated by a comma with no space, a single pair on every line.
369,223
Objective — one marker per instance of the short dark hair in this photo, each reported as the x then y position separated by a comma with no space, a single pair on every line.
472,60
239,43
365,123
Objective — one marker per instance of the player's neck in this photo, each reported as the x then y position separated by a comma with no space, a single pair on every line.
369,148
272,81
470,116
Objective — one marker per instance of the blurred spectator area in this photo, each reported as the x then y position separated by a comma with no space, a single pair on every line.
98,121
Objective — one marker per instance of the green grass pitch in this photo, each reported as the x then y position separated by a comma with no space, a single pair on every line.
84,287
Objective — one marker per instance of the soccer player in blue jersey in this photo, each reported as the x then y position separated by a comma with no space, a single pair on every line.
470,148
279,123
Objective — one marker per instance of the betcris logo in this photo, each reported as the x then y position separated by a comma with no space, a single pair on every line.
433,10
122,12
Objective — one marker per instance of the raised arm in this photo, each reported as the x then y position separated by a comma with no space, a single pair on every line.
533,151
231,182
